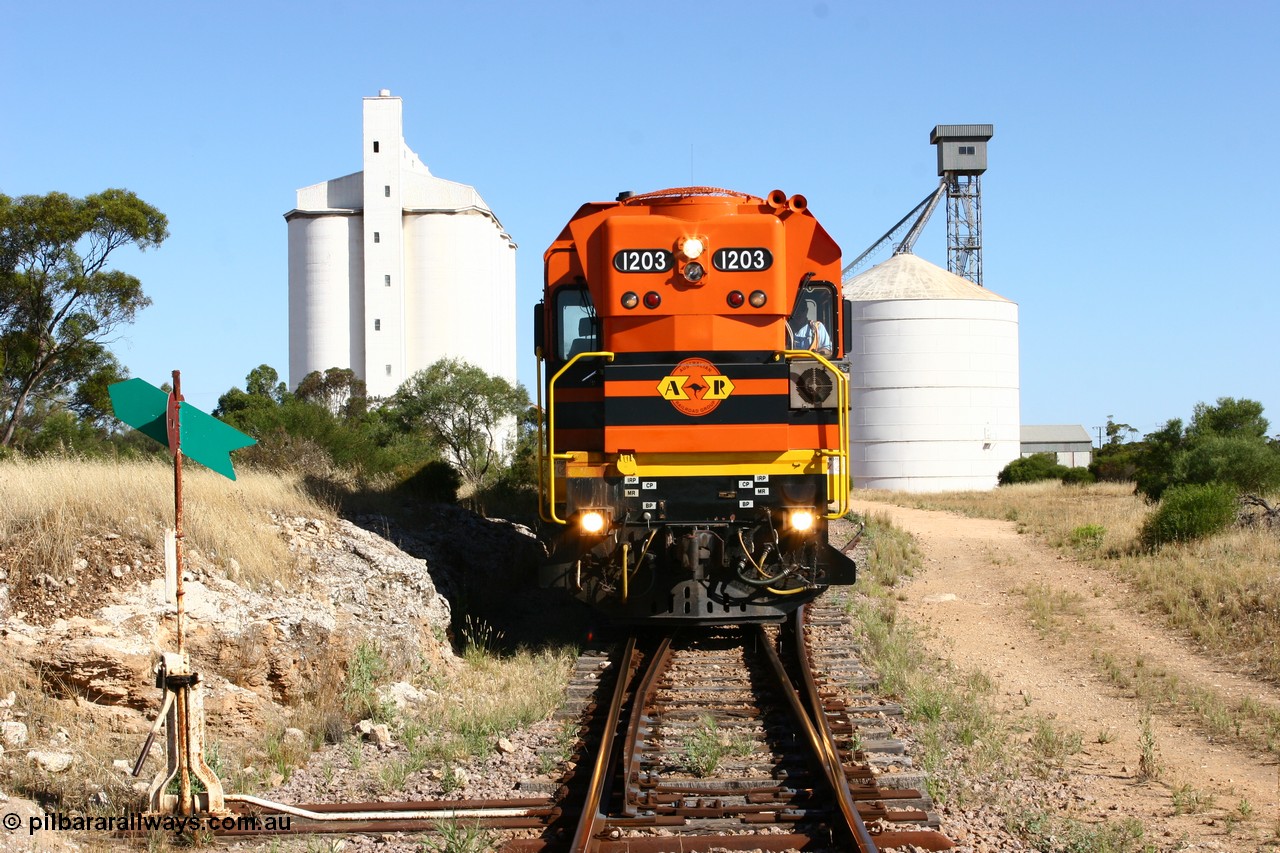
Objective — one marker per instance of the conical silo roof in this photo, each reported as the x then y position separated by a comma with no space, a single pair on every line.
905,276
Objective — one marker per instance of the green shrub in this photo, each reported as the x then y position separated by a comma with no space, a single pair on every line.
1030,469
1078,476
1088,536
435,482
366,669
1189,512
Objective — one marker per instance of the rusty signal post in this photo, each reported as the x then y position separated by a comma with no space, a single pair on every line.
169,420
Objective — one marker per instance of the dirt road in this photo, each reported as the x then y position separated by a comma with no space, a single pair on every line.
969,604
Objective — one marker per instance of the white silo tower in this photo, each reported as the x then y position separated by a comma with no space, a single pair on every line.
392,268
933,379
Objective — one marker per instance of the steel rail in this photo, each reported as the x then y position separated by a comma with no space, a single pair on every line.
616,761
648,686
247,816
819,741
925,838
592,818
779,843
438,810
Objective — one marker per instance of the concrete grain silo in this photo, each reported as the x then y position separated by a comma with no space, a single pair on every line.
392,268
933,379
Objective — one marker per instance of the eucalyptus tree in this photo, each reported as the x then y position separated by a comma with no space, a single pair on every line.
468,414
60,302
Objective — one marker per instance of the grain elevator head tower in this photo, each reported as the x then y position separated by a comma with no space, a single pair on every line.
962,158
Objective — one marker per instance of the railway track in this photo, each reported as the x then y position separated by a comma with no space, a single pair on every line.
725,739
739,738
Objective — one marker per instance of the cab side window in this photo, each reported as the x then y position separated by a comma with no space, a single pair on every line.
578,328
812,321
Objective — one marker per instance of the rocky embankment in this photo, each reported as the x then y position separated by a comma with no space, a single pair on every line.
82,647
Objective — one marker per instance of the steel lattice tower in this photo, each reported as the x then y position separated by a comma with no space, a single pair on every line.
962,158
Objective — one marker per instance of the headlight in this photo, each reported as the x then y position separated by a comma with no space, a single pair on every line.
801,519
691,248
693,272
592,521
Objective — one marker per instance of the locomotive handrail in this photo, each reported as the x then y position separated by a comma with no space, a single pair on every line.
840,482
541,513
551,455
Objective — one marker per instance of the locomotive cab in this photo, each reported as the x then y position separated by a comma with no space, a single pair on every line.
695,438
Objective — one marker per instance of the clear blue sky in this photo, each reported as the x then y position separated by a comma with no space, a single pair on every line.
1128,206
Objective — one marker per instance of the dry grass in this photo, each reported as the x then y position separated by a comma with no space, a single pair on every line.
1223,591
1051,609
501,694
1048,509
487,697
964,743
48,507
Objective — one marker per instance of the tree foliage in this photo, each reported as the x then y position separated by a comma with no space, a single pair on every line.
1248,464
338,389
1157,459
449,426
1118,432
296,434
470,416
264,381
60,304
1228,417
1225,443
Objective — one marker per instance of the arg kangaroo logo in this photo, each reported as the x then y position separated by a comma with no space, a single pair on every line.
695,387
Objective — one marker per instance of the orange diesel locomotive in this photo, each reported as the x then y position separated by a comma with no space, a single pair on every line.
695,437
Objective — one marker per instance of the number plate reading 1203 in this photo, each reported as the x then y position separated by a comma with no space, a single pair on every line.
742,260
643,260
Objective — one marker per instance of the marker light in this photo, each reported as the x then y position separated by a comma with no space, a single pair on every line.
691,248
693,271
735,299
758,299
592,521
801,519
652,299
630,300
